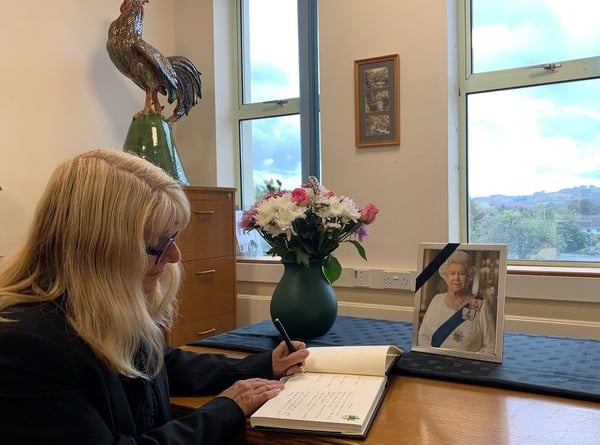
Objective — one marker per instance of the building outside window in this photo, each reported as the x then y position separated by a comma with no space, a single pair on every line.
530,127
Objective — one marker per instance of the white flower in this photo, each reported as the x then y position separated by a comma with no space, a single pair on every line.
309,223
276,215
339,208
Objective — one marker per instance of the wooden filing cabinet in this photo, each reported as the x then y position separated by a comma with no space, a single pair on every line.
207,299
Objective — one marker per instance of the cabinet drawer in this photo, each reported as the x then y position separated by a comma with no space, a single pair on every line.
184,333
208,289
210,232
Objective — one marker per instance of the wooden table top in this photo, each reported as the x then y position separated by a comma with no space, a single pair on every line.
420,411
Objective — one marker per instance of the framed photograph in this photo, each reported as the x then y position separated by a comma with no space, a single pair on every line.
459,300
376,101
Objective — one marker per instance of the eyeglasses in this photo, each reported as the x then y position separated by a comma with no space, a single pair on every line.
160,252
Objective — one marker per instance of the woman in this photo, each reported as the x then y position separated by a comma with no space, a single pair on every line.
83,308
457,319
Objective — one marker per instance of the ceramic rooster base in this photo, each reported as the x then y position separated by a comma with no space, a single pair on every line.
176,77
150,137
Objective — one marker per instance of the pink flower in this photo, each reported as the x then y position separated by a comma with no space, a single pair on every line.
300,196
247,220
309,223
368,213
273,195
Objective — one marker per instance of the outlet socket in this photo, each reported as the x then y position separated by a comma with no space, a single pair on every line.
361,278
397,279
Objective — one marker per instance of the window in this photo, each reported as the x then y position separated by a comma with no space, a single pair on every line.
278,95
530,127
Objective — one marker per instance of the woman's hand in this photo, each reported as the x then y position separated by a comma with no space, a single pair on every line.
285,363
250,394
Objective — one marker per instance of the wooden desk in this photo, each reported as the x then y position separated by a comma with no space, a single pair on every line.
418,411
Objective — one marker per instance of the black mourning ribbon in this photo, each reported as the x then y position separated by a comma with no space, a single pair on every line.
435,264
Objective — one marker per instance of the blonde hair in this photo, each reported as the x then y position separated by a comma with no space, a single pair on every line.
86,248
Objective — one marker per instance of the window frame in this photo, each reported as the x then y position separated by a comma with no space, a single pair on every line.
306,106
505,79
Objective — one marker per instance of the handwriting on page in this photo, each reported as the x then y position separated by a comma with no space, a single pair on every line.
332,397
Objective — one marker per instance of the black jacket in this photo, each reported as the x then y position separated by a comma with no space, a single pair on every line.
54,390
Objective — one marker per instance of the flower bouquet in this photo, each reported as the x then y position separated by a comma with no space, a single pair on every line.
308,224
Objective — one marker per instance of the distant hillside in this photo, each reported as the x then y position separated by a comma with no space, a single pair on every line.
589,194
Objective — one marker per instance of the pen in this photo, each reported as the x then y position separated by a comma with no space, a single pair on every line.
286,339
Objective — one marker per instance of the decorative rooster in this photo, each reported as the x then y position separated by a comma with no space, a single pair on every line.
175,77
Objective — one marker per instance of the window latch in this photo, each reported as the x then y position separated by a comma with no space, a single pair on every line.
278,102
551,67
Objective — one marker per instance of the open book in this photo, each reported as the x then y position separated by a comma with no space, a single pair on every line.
338,394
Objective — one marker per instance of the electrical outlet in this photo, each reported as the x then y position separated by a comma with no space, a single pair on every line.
397,279
361,278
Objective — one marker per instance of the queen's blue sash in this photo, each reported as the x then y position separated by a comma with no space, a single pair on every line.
447,328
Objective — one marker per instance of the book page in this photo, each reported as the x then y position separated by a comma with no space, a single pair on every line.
362,360
323,400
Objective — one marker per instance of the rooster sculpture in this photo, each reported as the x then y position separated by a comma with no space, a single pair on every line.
175,77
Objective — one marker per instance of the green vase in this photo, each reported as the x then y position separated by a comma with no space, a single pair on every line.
150,137
304,301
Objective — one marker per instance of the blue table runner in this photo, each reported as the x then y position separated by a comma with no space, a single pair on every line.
567,367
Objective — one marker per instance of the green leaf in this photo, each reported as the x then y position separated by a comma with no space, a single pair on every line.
332,269
360,248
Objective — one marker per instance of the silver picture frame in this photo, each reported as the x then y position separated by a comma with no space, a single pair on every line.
459,300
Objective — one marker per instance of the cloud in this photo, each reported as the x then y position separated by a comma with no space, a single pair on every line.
578,20
514,149
494,40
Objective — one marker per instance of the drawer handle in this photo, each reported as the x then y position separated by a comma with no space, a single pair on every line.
204,212
205,272
208,331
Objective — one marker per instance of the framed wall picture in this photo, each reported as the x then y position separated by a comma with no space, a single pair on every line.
459,300
376,101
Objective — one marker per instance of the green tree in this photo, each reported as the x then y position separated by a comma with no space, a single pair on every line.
524,230
571,238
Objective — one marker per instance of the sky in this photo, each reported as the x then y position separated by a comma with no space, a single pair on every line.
273,30
274,49
534,139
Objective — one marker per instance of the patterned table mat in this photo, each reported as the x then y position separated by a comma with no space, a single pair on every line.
561,366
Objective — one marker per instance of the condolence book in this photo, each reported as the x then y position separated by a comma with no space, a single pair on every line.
338,394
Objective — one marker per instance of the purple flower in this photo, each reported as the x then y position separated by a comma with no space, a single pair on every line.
361,232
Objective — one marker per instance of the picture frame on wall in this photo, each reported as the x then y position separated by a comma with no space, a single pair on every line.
459,300
376,101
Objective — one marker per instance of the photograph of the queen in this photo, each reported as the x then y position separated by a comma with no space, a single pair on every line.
457,308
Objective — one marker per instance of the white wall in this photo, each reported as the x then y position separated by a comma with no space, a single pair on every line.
61,93
415,184
409,182
63,96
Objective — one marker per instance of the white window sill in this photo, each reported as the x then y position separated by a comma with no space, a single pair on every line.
542,282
